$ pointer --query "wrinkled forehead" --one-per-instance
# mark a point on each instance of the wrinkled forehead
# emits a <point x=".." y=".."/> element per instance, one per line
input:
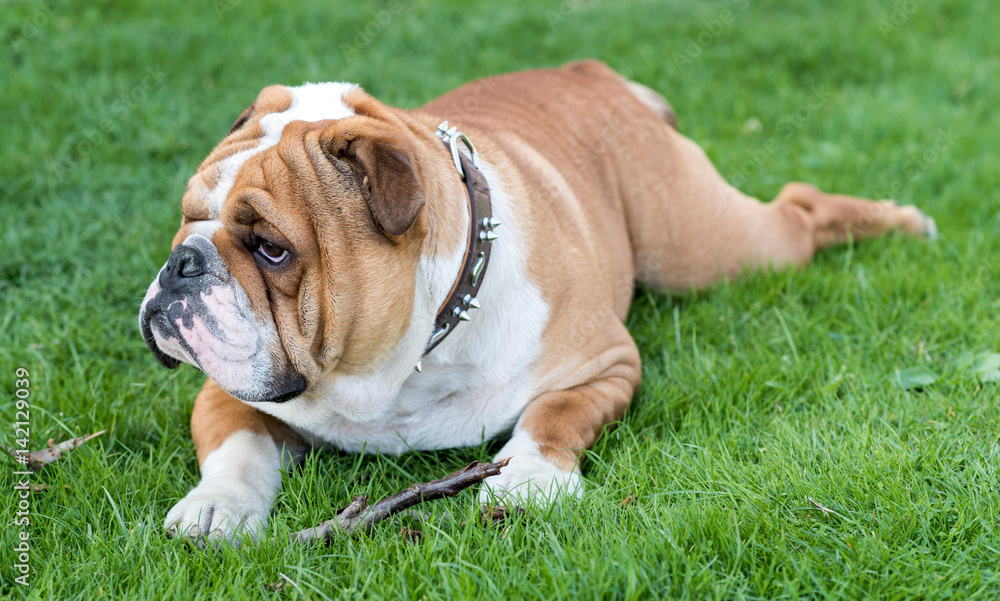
<point x="259" y="127"/>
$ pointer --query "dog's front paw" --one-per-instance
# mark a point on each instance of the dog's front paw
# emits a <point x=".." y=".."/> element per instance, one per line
<point x="529" y="480"/>
<point x="217" y="512"/>
<point x="240" y="481"/>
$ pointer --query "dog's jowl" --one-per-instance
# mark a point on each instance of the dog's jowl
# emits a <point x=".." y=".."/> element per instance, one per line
<point x="330" y="244"/>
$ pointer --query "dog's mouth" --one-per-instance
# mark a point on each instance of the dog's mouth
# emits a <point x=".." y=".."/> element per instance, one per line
<point x="145" y="326"/>
<point x="160" y="321"/>
<point x="166" y="331"/>
<point x="290" y="388"/>
<point x="151" y="310"/>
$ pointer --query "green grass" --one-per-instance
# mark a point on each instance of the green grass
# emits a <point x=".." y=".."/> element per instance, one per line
<point x="757" y="396"/>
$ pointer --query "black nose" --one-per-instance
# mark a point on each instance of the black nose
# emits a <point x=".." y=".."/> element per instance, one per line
<point x="185" y="262"/>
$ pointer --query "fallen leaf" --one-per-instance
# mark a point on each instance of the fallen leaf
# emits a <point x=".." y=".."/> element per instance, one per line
<point x="281" y="585"/>
<point x="987" y="367"/>
<point x="412" y="535"/>
<point x="38" y="459"/>
<point x="495" y="514"/>
<point x="915" y="377"/>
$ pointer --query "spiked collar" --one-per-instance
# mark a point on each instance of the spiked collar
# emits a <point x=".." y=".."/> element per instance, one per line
<point x="462" y="297"/>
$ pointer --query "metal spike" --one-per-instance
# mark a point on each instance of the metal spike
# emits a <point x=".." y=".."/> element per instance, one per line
<point x="419" y="368"/>
<point x="488" y="236"/>
<point x="470" y="301"/>
<point x="494" y="222"/>
<point x="464" y="316"/>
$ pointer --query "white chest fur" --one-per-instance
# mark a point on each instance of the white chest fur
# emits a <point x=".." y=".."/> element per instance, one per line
<point x="474" y="385"/>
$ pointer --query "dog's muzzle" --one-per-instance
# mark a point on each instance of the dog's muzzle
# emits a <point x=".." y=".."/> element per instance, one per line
<point x="195" y="312"/>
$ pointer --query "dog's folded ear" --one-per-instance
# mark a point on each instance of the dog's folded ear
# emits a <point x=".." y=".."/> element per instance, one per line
<point x="381" y="163"/>
<point x="242" y="119"/>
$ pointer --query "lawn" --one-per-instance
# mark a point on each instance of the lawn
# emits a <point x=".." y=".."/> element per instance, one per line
<point x="829" y="433"/>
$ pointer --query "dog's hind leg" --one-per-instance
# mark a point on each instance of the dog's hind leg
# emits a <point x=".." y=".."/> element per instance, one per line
<point x="834" y="217"/>
<point x="558" y="426"/>
<point x="700" y="228"/>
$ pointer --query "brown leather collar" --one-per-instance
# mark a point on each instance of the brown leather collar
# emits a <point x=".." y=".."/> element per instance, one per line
<point x="462" y="297"/>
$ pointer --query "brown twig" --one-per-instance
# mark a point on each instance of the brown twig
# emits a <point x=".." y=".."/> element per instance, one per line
<point x="360" y="517"/>
<point x="37" y="459"/>
<point x="282" y="584"/>
<point x="826" y="511"/>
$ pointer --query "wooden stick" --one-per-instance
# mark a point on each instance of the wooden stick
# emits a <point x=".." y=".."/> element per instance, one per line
<point x="360" y="517"/>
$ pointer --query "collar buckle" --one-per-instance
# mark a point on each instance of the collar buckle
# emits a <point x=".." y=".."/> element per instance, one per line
<point x="451" y="136"/>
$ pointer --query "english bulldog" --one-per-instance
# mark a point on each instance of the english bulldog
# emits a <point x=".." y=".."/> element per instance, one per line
<point x="352" y="275"/>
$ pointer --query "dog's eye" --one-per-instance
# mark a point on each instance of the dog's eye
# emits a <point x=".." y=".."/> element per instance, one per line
<point x="272" y="252"/>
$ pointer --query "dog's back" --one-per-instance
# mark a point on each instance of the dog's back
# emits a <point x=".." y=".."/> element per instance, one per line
<point x="634" y="175"/>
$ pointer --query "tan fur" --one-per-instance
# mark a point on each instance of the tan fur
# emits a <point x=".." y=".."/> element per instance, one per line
<point x="610" y="194"/>
<point x="272" y="99"/>
<point x="217" y="416"/>
<point x="656" y="210"/>
<point x="344" y="304"/>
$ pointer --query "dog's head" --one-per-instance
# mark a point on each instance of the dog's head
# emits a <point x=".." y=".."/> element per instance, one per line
<point x="298" y="248"/>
